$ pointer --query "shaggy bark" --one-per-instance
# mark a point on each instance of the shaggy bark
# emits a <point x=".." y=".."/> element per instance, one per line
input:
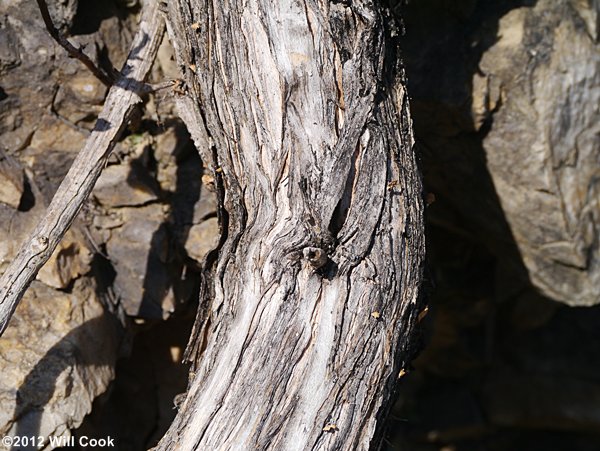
<point x="310" y="300"/>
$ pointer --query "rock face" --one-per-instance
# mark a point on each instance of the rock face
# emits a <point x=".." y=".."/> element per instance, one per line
<point x="11" y="181"/>
<point x="60" y="350"/>
<point x="506" y="110"/>
<point x="126" y="253"/>
<point x="541" y="81"/>
<point x="505" y="104"/>
<point x="57" y="356"/>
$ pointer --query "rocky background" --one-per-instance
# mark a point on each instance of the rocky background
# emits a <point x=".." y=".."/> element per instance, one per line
<point x="96" y="344"/>
<point x="505" y="99"/>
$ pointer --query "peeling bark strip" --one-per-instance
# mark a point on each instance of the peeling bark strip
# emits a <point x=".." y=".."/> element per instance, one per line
<point x="86" y="168"/>
<point x="300" y="107"/>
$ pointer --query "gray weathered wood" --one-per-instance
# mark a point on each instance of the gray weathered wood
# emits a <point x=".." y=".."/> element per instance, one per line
<point x="299" y="108"/>
<point x="86" y="168"/>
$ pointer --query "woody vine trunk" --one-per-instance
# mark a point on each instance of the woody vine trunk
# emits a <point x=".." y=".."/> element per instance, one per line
<point x="309" y="303"/>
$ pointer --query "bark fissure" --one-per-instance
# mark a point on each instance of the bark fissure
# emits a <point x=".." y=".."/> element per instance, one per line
<point x="316" y="245"/>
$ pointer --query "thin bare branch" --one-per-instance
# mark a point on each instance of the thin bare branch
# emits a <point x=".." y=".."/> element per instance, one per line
<point x="78" y="53"/>
<point x="86" y="168"/>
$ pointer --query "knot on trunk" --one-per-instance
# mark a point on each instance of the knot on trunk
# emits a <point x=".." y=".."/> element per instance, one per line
<point x="316" y="256"/>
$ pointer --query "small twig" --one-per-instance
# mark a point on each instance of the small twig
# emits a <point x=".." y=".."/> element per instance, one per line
<point x="107" y="79"/>
<point x="162" y="85"/>
<point x="83" y="174"/>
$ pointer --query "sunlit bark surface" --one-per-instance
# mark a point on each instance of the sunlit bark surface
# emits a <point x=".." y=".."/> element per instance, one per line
<point x="309" y="304"/>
